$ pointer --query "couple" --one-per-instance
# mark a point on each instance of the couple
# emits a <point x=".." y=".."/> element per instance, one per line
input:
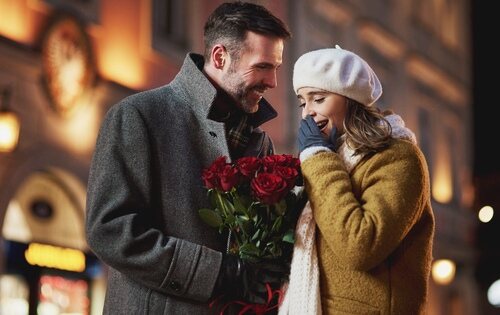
<point x="364" y="239"/>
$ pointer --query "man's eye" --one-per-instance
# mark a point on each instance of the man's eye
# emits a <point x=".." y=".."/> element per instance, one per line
<point x="263" y="67"/>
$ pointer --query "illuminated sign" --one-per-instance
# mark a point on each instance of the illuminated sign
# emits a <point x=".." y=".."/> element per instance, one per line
<point x="55" y="257"/>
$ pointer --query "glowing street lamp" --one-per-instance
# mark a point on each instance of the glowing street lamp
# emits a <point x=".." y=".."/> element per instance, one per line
<point x="9" y="124"/>
<point x="494" y="293"/>
<point x="443" y="271"/>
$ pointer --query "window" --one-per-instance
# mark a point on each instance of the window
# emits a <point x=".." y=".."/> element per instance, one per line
<point x="170" y="26"/>
<point x="441" y="18"/>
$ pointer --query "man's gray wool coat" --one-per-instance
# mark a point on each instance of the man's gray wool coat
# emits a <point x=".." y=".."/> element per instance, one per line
<point x="144" y="192"/>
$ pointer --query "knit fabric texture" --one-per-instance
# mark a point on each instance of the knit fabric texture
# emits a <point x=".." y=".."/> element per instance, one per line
<point x="302" y="295"/>
<point x="339" y="71"/>
<point x="302" y="292"/>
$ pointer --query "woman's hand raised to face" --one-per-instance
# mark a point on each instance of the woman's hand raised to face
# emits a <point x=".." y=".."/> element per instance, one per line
<point x="310" y="135"/>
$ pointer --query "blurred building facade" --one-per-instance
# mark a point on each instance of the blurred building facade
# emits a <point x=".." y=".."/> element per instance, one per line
<point x="63" y="63"/>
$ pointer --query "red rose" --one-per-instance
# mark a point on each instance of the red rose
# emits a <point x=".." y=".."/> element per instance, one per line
<point x="292" y="161"/>
<point x="271" y="161"/>
<point x="269" y="188"/>
<point x="211" y="174"/>
<point x="218" y="164"/>
<point x="229" y="177"/>
<point x="210" y="179"/>
<point x="289" y="174"/>
<point x="249" y="165"/>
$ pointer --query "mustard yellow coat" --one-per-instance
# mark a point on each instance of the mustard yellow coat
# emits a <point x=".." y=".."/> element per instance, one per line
<point x="375" y="229"/>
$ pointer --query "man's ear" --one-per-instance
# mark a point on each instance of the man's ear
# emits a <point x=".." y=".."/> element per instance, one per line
<point x="219" y="56"/>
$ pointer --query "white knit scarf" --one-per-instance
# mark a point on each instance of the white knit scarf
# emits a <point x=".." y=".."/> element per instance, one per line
<point x="302" y="292"/>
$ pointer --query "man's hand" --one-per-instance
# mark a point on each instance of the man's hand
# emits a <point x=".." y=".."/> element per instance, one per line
<point x="257" y="275"/>
<point x="247" y="281"/>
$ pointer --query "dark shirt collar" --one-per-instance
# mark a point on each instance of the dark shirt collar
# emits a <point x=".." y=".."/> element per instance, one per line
<point x="202" y="91"/>
<point x="224" y="108"/>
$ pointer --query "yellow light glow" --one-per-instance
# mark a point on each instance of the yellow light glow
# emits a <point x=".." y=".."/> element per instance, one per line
<point x="119" y="50"/>
<point x="9" y="131"/>
<point x="121" y="65"/>
<point x="442" y="182"/>
<point x="83" y="117"/>
<point x="16" y="22"/>
<point x="443" y="271"/>
<point x="55" y="257"/>
<point x="486" y="214"/>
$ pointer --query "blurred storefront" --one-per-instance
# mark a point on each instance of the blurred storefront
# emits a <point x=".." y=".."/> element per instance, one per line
<point x="47" y="269"/>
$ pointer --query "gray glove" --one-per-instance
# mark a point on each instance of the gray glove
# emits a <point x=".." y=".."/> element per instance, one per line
<point x="310" y="135"/>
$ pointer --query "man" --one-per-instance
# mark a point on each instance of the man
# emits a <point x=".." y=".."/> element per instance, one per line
<point x="145" y="186"/>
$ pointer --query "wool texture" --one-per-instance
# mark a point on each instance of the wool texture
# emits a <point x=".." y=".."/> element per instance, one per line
<point x="339" y="71"/>
<point x="302" y="292"/>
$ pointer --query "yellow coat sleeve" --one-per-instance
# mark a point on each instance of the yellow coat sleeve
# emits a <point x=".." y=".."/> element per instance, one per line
<point x="364" y="216"/>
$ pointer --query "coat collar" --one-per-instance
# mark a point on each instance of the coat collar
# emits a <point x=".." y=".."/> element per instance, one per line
<point x="202" y="94"/>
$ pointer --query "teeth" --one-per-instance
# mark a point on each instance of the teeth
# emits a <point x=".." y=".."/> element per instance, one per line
<point x="321" y="125"/>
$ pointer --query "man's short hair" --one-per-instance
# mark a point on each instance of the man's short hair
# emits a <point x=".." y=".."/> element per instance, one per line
<point x="230" y="22"/>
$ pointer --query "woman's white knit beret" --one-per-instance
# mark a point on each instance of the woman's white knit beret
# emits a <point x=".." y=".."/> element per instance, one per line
<point x="339" y="71"/>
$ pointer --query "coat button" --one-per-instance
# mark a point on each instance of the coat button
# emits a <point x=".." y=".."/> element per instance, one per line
<point x="175" y="286"/>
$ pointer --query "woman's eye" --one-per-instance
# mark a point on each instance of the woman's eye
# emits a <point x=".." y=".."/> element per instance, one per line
<point x="319" y="100"/>
<point x="302" y="105"/>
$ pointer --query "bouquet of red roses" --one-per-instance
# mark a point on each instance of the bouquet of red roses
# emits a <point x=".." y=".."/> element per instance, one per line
<point x="255" y="199"/>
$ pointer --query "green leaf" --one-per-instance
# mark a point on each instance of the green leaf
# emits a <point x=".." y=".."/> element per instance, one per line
<point x="229" y="219"/>
<point x="239" y="207"/>
<point x="228" y="204"/>
<point x="224" y="204"/>
<point x="242" y="218"/>
<point x="220" y="202"/>
<point x="244" y="224"/>
<point x="246" y="201"/>
<point x="289" y="237"/>
<point x="256" y="235"/>
<point x="249" y="249"/>
<point x="212" y="195"/>
<point x="280" y="207"/>
<point x="250" y="258"/>
<point x="277" y="224"/>
<point x="225" y="207"/>
<point x="210" y="217"/>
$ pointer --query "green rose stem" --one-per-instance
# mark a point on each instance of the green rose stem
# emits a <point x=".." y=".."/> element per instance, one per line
<point x="229" y="219"/>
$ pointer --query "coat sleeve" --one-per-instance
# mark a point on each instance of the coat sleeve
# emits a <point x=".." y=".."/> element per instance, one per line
<point x="120" y="219"/>
<point x="364" y="224"/>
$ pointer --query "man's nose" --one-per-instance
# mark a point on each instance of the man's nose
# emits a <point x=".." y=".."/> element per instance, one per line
<point x="271" y="80"/>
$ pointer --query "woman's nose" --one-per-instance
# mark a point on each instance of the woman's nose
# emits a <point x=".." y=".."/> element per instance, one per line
<point x="307" y="111"/>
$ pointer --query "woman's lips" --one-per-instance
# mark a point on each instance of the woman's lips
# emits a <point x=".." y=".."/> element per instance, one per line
<point x="322" y="124"/>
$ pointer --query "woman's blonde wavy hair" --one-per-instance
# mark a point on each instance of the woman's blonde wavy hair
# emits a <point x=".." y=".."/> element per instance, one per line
<point x="365" y="128"/>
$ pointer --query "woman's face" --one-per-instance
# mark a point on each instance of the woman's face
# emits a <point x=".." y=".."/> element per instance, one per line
<point x="328" y="109"/>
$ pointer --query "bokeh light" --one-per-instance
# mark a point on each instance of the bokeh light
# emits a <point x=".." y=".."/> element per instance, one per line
<point x="486" y="214"/>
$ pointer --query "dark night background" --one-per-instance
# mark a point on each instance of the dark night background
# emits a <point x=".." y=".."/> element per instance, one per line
<point x="485" y="84"/>
<point x="486" y="95"/>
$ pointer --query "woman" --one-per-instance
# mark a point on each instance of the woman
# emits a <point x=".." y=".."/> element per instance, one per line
<point x="369" y="198"/>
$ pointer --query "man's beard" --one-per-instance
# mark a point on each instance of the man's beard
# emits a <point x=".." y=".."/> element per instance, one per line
<point x="236" y="88"/>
